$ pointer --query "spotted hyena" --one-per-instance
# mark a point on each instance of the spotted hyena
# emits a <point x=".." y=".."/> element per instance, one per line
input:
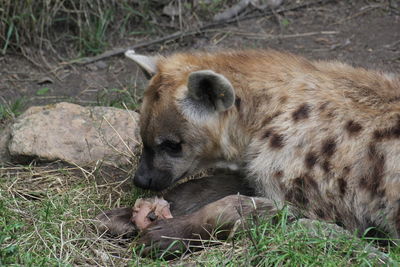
<point x="322" y="136"/>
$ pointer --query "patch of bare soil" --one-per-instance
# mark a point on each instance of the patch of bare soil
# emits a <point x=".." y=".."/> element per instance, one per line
<point x="362" y="33"/>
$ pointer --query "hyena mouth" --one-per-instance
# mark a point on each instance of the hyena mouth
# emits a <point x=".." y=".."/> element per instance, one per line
<point x="184" y="179"/>
<point x="180" y="180"/>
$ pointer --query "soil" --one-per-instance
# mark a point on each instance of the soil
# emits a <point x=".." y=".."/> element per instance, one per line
<point x="362" y="33"/>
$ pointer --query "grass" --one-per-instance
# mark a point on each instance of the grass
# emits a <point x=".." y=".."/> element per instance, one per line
<point x="47" y="216"/>
<point x="47" y="220"/>
<point x="283" y="244"/>
<point x="11" y="110"/>
<point x="119" y="98"/>
<point x="87" y="25"/>
<point x="128" y="97"/>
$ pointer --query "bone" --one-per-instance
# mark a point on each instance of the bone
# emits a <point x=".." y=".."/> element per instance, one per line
<point x="147" y="210"/>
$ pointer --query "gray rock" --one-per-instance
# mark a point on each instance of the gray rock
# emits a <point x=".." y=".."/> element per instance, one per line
<point x="76" y="134"/>
<point x="4" y="140"/>
<point x="101" y="64"/>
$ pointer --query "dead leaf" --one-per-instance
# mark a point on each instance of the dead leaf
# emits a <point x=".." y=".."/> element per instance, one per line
<point x="171" y="10"/>
<point x="45" y="80"/>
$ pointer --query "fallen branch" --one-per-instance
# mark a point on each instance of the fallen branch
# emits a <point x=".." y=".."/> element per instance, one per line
<point x="120" y="51"/>
<point x="180" y="34"/>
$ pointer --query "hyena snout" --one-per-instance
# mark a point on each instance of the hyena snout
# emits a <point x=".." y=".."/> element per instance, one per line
<point x="141" y="180"/>
<point x="149" y="177"/>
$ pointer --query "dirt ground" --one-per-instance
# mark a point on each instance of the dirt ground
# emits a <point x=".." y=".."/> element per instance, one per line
<point x="362" y="33"/>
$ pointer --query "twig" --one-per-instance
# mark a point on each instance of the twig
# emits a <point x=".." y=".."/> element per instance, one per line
<point x="122" y="140"/>
<point x="392" y="44"/>
<point x="180" y="34"/>
<point x="283" y="36"/>
<point x="364" y="10"/>
<point x="120" y="51"/>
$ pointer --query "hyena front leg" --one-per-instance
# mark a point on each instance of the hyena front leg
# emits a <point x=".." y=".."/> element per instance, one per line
<point x="116" y="223"/>
<point x="215" y="220"/>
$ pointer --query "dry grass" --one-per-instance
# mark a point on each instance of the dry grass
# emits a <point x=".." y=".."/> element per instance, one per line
<point x="85" y="25"/>
<point x="49" y="213"/>
<point x="48" y="216"/>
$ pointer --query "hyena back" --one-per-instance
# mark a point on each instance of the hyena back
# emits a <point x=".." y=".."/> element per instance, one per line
<point x="323" y="136"/>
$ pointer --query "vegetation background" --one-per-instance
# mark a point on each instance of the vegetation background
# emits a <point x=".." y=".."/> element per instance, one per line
<point x="70" y="50"/>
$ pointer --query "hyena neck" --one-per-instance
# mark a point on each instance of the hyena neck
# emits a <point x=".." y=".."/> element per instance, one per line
<point x="233" y="139"/>
<point x="241" y="125"/>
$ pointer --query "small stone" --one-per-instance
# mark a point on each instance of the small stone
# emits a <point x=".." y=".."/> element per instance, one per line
<point x="101" y="64"/>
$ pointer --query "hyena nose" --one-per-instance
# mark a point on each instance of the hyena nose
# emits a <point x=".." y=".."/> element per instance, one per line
<point x="141" y="181"/>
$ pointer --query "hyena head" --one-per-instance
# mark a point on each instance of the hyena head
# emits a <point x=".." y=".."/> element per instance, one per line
<point x="180" y="119"/>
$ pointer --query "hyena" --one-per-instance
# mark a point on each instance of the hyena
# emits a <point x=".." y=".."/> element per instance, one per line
<point x="322" y="136"/>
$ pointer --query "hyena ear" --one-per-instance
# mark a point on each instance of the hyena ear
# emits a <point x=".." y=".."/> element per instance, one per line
<point x="146" y="63"/>
<point x="208" y="93"/>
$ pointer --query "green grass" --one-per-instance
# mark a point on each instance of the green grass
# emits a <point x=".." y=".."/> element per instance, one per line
<point x="47" y="217"/>
<point x="295" y="246"/>
<point x="119" y="98"/>
<point x="86" y="24"/>
<point x="47" y="214"/>
<point x="9" y="230"/>
<point x="89" y="27"/>
<point x="11" y="110"/>
<point x="289" y="244"/>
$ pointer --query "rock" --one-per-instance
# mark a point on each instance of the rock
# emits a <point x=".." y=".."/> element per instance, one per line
<point x="101" y="64"/>
<point x="4" y="140"/>
<point x="75" y="134"/>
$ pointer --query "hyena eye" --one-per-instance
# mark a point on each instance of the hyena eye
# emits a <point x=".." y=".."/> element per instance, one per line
<point x="171" y="147"/>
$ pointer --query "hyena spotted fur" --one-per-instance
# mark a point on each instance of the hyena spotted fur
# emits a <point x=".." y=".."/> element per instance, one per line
<point x="321" y="135"/>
